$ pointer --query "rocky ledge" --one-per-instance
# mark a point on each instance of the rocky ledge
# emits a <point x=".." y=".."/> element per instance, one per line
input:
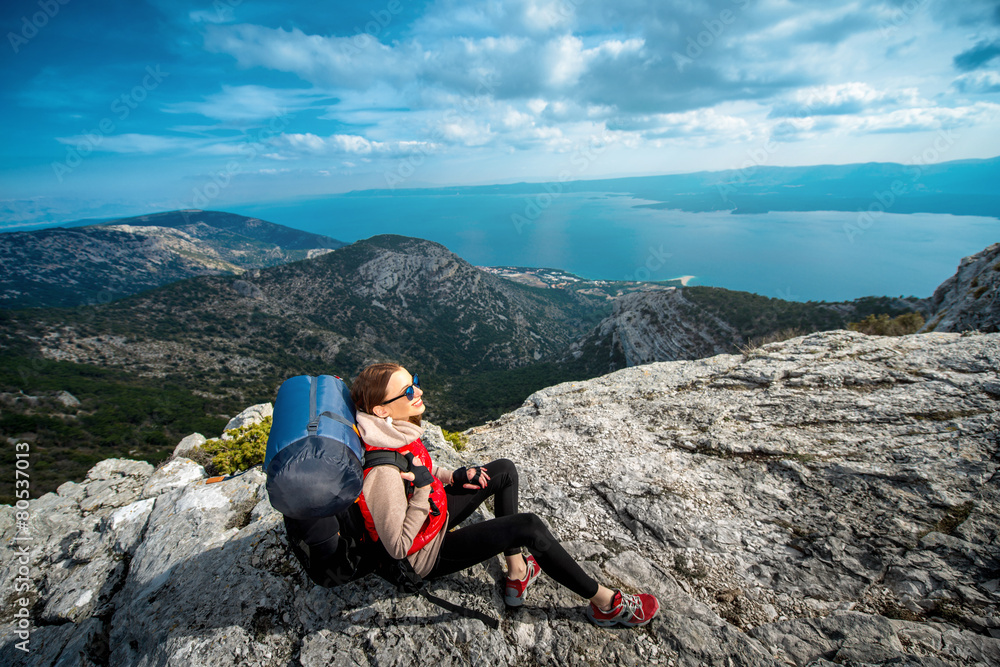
<point x="831" y="499"/>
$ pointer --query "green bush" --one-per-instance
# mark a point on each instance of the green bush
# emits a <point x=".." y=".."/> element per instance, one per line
<point x="456" y="439"/>
<point x="245" y="450"/>
<point x="883" y="325"/>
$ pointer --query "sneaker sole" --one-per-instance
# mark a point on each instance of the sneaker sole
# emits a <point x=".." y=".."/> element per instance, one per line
<point x="518" y="600"/>
<point x="513" y="601"/>
<point x="613" y="623"/>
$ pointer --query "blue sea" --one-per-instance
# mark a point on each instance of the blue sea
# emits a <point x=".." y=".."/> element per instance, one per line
<point x="810" y="256"/>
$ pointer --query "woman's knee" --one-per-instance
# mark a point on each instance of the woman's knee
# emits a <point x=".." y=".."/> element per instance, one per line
<point x="535" y="532"/>
<point x="502" y="467"/>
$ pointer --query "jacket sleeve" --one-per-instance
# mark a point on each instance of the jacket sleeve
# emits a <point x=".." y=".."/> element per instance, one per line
<point x="397" y="521"/>
<point x="445" y="476"/>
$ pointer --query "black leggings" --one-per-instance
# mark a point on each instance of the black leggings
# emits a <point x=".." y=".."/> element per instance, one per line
<point x="464" y="547"/>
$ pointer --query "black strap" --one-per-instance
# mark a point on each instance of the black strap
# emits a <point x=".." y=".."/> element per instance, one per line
<point x="401" y="573"/>
<point x="389" y="457"/>
<point x="315" y="414"/>
<point x="385" y="457"/>
<point x="305" y="550"/>
<point x="337" y="418"/>
<point x="313" y="425"/>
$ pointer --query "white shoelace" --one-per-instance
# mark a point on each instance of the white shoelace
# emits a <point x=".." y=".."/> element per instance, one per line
<point x="629" y="603"/>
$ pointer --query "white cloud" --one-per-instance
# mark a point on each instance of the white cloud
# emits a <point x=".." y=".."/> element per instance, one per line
<point x="696" y="125"/>
<point x="537" y="105"/>
<point x="927" y="118"/>
<point x="357" y="61"/>
<point x="465" y="131"/>
<point x="344" y="144"/>
<point x="565" y="61"/>
<point x="248" y="103"/>
<point x="511" y="17"/>
<point x="983" y="82"/>
<point x="912" y="119"/>
<point x="837" y="99"/>
<point x="514" y="119"/>
<point x="126" y="143"/>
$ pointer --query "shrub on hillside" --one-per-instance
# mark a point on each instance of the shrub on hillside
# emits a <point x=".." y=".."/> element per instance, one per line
<point x="245" y="449"/>
<point x="883" y="325"/>
<point x="455" y="439"/>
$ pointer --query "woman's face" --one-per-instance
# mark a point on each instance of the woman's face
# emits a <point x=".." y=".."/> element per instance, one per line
<point x="401" y="409"/>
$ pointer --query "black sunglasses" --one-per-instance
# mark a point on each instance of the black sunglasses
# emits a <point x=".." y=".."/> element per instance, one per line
<point x="409" y="393"/>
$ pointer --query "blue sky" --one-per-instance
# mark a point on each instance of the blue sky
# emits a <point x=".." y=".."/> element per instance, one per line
<point x="121" y="108"/>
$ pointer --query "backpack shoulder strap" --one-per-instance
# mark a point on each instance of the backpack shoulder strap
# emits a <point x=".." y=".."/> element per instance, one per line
<point x="385" y="457"/>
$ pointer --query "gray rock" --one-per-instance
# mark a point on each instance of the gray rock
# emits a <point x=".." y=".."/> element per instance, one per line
<point x="864" y="637"/>
<point x="176" y="472"/>
<point x="970" y="299"/>
<point x="834" y="471"/>
<point x="113" y="483"/>
<point x="786" y="507"/>
<point x="68" y="399"/>
<point x="66" y="645"/>
<point x="248" y="290"/>
<point x="661" y="325"/>
<point x="189" y="443"/>
<point x="255" y="414"/>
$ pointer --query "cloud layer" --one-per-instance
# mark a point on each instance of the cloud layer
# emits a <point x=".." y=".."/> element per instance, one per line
<point x="489" y="90"/>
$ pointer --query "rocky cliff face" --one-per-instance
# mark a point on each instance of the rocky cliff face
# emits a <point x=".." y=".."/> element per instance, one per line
<point x="830" y="499"/>
<point x="970" y="299"/>
<point x="674" y="324"/>
<point x="98" y="263"/>
<point x="659" y="325"/>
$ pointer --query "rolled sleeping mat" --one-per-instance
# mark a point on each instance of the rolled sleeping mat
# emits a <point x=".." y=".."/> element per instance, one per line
<point x="313" y="457"/>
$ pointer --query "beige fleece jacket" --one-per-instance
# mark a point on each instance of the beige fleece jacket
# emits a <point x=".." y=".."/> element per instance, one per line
<point x="398" y="520"/>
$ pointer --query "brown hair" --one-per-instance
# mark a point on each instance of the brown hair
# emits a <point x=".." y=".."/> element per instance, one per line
<point x="368" y="389"/>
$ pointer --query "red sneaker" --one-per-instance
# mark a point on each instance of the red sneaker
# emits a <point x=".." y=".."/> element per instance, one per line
<point x="514" y="593"/>
<point x="627" y="610"/>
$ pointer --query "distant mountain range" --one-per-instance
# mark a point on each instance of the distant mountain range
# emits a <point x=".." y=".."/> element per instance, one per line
<point x="962" y="187"/>
<point x="99" y="263"/>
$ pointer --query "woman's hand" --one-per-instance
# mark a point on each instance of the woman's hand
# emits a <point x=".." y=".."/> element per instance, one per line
<point x="471" y="478"/>
<point x="420" y="475"/>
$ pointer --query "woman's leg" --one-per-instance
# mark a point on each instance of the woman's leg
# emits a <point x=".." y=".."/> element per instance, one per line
<point x="467" y="546"/>
<point x="463" y="502"/>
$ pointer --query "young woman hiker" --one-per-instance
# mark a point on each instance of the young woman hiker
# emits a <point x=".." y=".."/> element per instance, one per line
<point x="417" y="525"/>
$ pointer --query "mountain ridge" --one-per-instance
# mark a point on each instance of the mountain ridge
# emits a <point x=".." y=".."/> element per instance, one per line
<point x="65" y="267"/>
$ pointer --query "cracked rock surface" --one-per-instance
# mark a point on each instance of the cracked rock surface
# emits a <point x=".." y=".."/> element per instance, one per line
<point x="830" y="499"/>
